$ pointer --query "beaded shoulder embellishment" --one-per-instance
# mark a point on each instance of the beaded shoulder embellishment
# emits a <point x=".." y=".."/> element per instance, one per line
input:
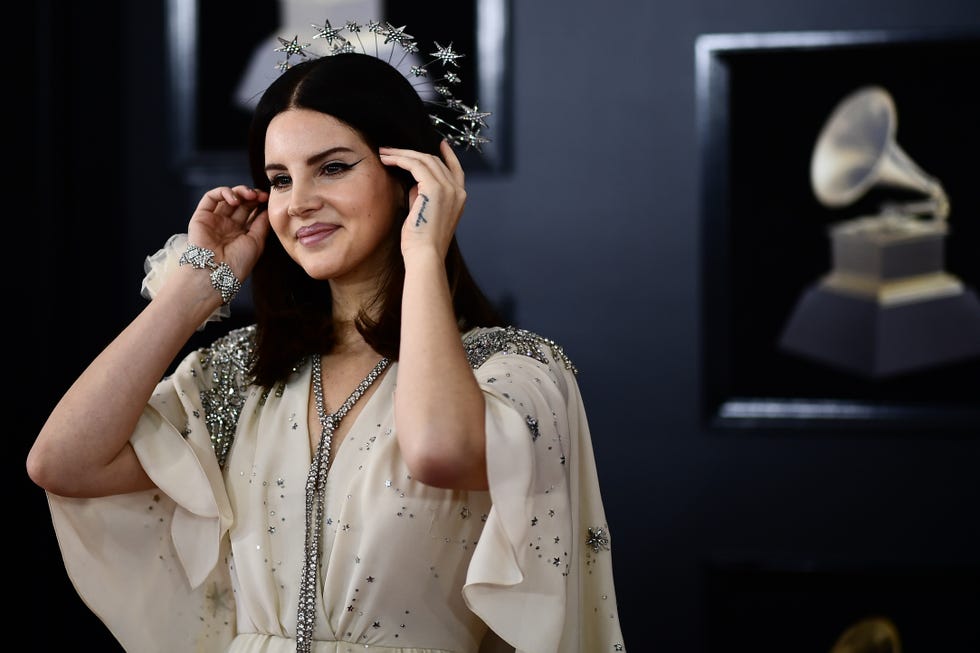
<point x="511" y="340"/>
<point x="227" y="361"/>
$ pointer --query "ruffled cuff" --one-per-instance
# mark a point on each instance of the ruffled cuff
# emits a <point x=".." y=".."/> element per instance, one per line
<point x="202" y="515"/>
<point x="161" y="264"/>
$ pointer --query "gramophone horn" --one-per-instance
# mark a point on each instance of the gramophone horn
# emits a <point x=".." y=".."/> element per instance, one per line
<point x="856" y="150"/>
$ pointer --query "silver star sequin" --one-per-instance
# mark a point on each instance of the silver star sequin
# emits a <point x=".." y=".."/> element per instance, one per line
<point x="532" y="425"/>
<point x="328" y="33"/>
<point x="218" y="599"/>
<point x="396" y="34"/>
<point x="293" y="47"/>
<point x="474" y="116"/>
<point x="597" y="539"/>
<point x="446" y="55"/>
<point x="471" y="139"/>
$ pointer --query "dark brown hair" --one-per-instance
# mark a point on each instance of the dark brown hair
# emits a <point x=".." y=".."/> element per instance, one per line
<point x="293" y="311"/>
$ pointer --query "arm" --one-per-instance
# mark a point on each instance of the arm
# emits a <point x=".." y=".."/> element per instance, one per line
<point x="439" y="407"/>
<point x="83" y="448"/>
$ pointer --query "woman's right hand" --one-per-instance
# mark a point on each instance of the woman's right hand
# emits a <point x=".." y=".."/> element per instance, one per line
<point x="233" y="223"/>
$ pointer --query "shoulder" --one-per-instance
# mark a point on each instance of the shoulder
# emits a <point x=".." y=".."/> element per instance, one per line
<point x="224" y="382"/>
<point x="482" y="343"/>
<point x="232" y="351"/>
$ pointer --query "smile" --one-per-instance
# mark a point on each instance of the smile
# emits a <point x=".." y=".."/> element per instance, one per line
<point x="315" y="233"/>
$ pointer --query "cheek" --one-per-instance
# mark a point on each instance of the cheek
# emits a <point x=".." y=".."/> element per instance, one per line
<point x="278" y="217"/>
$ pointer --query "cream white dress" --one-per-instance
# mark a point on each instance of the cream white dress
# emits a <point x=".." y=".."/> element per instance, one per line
<point x="211" y="560"/>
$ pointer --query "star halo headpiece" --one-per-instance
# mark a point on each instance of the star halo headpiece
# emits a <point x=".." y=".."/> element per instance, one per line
<point x="462" y="125"/>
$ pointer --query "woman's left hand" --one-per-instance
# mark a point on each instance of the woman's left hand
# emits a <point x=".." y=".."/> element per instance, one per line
<point x="435" y="202"/>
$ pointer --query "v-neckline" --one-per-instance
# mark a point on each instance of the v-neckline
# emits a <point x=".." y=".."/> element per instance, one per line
<point x="368" y="403"/>
<point x="316" y="487"/>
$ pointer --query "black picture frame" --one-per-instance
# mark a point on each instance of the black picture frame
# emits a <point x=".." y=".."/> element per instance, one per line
<point x="210" y="44"/>
<point x="762" y="99"/>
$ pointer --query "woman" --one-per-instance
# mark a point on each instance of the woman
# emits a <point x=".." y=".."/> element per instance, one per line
<point x="377" y="464"/>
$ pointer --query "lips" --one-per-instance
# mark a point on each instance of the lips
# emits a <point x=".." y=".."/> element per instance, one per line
<point x="315" y="233"/>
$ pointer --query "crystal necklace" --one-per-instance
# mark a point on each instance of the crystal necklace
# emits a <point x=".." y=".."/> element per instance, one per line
<point x="316" y="483"/>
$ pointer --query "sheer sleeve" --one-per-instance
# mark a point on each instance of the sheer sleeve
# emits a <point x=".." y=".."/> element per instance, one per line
<point x="152" y="565"/>
<point x="541" y="574"/>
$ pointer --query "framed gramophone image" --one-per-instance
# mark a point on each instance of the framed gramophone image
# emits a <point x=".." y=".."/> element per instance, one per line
<point x="840" y="230"/>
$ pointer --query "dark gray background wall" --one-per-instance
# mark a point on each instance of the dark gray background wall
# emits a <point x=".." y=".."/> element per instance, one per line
<point x="594" y="233"/>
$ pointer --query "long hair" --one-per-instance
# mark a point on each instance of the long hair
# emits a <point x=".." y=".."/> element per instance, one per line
<point x="293" y="311"/>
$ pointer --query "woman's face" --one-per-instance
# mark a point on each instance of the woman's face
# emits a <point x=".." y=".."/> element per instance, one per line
<point x="332" y="203"/>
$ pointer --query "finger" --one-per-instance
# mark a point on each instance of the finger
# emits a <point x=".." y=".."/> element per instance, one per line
<point x="248" y="193"/>
<point x="405" y="152"/>
<point x="258" y="224"/>
<point x="413" y="161"/>
<point x="258" y="212"/>
<point x="230" y="197"/>
<point x="210" y="200"/>
<point x="452" y="161"/>
<point x="416" y="163"/>
<point x="214" y="198"/>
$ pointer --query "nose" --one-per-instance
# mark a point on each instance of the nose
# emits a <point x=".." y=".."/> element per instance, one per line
<point x="303" y="200"/>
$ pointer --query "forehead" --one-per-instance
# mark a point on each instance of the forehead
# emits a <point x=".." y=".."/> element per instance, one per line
<point x="298" y="132"/>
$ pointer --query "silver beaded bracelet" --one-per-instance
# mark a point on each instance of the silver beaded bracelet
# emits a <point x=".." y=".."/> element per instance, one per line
<point x="222" y="278"/>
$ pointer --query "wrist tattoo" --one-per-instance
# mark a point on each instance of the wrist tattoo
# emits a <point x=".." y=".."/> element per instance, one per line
<point x="421" y="218"/>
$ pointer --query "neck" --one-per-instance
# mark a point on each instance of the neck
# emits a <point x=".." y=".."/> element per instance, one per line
<point x="347" y="339"/>
<point x="349" y="299"/>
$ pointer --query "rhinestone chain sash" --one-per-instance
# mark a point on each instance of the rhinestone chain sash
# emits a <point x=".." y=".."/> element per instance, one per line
<point x="316" y="483"/>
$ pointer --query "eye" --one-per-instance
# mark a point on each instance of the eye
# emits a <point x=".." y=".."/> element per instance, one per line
<point x="278" y="182"/>
<point x="331" y="168"/>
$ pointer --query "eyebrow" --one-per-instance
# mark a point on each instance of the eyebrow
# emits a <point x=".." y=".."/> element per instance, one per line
<point x="316" y="158"/>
